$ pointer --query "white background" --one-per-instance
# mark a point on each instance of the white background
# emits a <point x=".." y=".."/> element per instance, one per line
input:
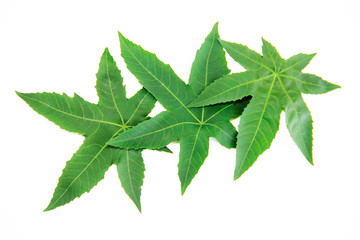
<point x="49" y="46"/>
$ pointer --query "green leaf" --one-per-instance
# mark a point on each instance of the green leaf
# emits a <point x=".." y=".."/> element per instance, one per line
<point x="170" y="90"/>
<point x="99" y="123"/>
<point x="209" y="63"/>
<point x="72" y="114"/>
<point x="194" y="148"/>
<point x="131" y="173"/>
<point x="275" y="84"/>
<point x="249" y="59"/>
<point x="300" y="61"/>
<point x="310" y="84"/>
<point x="85" y="169"/>
<point x="259" y="124"/>
<point x="191" y="126"/>
<point x="229" y="88"/>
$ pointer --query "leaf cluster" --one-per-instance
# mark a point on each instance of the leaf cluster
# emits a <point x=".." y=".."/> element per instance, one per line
<point x="117" y="129"/>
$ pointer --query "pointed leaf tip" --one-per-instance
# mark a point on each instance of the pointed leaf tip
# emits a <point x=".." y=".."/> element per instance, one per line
<point x="334" y="86"/>
<point x="121" y="37"/>
<point x="20" y="94"/>
<point x="51" y="206"/>
<point x="263" y="40"/>
<point x="312" y="55"/>
<point x="48" y="208"/>
<point x="238" y="174"/>
<point x="165" y="149"/>
<point x="216" y="26"/>
<point x="310" y="160"/>
<point x="183" y="189"/>
<point x="268" y="44"/>
<point x="138" y="207"/>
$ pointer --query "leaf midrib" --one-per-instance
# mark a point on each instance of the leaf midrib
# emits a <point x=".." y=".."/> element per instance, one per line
<point x="72" y="115"/>
<point x="192" y="152"/>
<point x="259" y="63"/>
<point x="216" y="126"/>
<point x="237" y="86"/>
<point x="295" y="64"/>
<point x="288" y="96"/>
<point x="111" y="90"/>
<point x="92" y="160"/>
<point x="143" y="135"/>
<point x="131" y="184"/>
<point x="297" y="116"/>
<point x="257" y="127"/>
<point x="273" y="60"/>
<point x="158" y="80"/>
<point x="137" y="108"/>
<point x="297" y="79"/>
<point x="218" y="112"/>
<point x="208" y="59"/>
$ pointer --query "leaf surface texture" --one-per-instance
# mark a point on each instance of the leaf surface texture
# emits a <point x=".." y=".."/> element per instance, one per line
<point x="192" y="127"/>
<point x="275" y="84"/>
<point x="99" y="123"/>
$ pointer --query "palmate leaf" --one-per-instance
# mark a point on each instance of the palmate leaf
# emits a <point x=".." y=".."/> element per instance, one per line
<point x="99" y="123"/>
<point x="275" y="85"/>
<point x="191" y="126"/>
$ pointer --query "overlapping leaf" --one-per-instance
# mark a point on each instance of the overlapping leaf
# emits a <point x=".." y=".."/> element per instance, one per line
<point x="194" y="112"/>
<point x="275" y="85"/>
<point x="191" y="126"/>
<point x="99" y="123"/>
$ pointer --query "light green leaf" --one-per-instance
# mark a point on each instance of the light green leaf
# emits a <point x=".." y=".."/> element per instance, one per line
<point x="271" y="57"/>
<point x="275" y="84"/>
<point x="299" y="61"/>
<point x="299" y="122"/>
<point x="309" y="83"/>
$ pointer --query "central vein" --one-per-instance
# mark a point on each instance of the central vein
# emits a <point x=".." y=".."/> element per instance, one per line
<point x="162" y="84"/>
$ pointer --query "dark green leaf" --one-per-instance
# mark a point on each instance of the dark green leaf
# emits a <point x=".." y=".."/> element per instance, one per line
<point x="191" y="126"/>
<point x="131" y="173"/>
<point x="99" y="123"/>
